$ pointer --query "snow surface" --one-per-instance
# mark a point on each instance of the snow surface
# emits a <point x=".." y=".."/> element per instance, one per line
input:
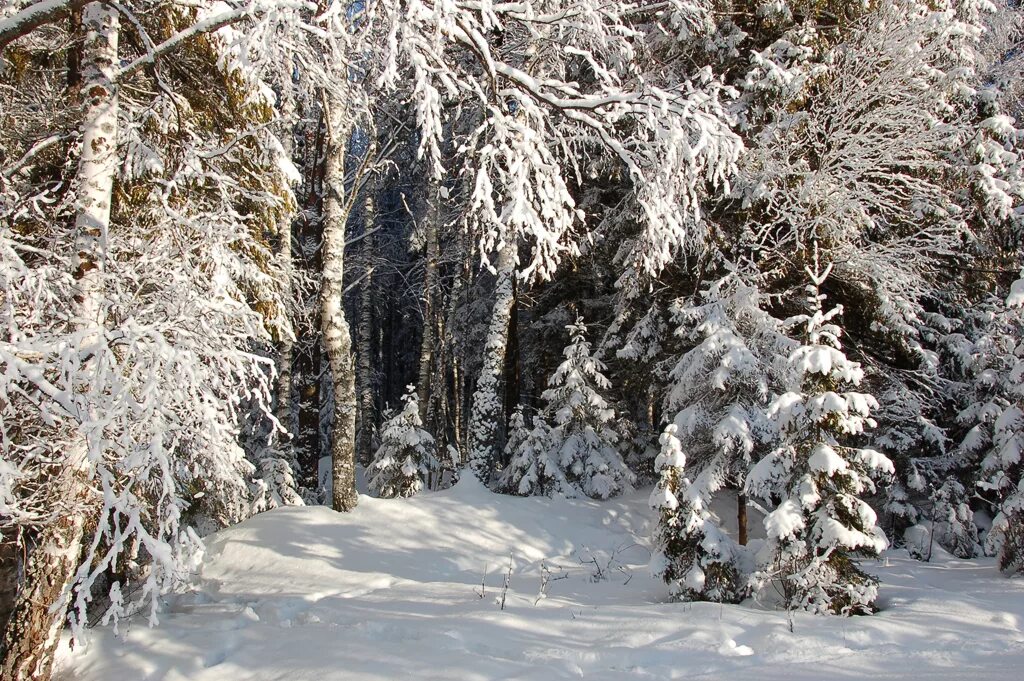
<point x="392" y="591"/>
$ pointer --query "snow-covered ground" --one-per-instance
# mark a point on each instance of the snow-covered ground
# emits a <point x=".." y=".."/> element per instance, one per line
<point x="393" y="591"/>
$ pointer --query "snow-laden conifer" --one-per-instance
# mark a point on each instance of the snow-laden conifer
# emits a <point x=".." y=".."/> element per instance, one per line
<point x="533" y="468"/>
<point x="995" y="412"/>
<point x="583" y="439"/>
<point x="406" y="456"/>
<point x="719" y="389"/>
<point x="694" y="556"/>
<point x="518" y="432"/>
<point x="822" y="519"/>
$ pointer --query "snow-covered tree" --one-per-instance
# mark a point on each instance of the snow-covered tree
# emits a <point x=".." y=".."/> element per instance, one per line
<point x="694" y="556"/>
<point x="518" y="432"/>
<point x="487" y="409"/>
<point x="406" y="457"/>
<point x="822" y="519"/>
<point x="557" y="100"/>
<point x="140" y="287"/>
<point x="866" y="144"/>
<point x="719" y="389"/>
<point x="995" y="412"/>
<point x="640" y="450"/>
<point x="582" y="437"/>
<point x="533" y="469"/>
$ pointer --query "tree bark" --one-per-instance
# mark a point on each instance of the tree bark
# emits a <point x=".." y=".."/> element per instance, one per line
<point x="306" y="352"/>
<point x="337" y="337"/>
<point x="486" y="413"/>
<point x="364" y="337"/>
<point x="10" y="559"/>
<point x="286" y="344"/>
<point x="512" y="365"/>
<point x="32" y="633"/>
<point x="741" y="518"/>
<point x="423" y="388"/>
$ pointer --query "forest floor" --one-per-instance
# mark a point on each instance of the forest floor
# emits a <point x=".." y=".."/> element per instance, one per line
<point x="393" y="591"/>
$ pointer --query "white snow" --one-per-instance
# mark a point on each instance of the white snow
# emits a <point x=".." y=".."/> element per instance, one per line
<point x="393" y="591"/>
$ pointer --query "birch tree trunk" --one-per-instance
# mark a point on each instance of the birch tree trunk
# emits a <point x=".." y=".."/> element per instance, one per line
<point x="337" y="337"/>
<point x="33" y="630"/>
<point x="487" y="413"/>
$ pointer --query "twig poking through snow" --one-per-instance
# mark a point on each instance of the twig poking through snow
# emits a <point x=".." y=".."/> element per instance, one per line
<point x="483" y="584"/>
<point x="508" y="579"/>
<point x="546" y="579"/>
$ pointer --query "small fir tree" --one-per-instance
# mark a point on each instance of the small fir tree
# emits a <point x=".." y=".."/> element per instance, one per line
<point x="582" y="438"/>
<point x="518" y="432"/>
<point x="720" y="387"/>
<point x="406" y="454"/>
<point x="821" y="520"/>
<point x="533" y="469"/>
<point x="997" y="408"/>
<point x="639" y="442"/>
<point x="697" y="559"/>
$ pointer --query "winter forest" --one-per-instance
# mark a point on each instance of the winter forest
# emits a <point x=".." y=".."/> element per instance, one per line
<point x="539" y="339"/>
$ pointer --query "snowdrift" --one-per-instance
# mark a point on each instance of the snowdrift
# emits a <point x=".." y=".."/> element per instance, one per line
<point x="412" y="589"/>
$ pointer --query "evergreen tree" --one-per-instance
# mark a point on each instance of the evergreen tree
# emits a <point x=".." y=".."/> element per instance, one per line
<point x="640" y="445"/>
<point x="822" y="519"/>
<point x="518" y="432"/>
<point x="698" y="560"/>
<point x="582" y="438"/>
<point x="996" y="409"/>
<point x="406" y="455"/>
<point x="533" y="469"/>
<point x="719" y="389"/>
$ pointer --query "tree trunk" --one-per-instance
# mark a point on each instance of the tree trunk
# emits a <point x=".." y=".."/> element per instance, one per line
<point x="337" y="337"/>
<point x="33" y="630"/>
<point x="306" y="352"/>
<point x="10" y="569"/>
<point x="741" y="518"/>
<point x="286" y="347"/>
<point x="364" y="338"/>
<point x="453" y="350"/>
<point x="486" y="418"/>
<point x="423" y="388"/>
<point x="512" y="365"/>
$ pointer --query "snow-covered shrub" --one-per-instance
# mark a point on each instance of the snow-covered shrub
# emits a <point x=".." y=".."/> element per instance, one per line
<point x="697" y="559"/>
<point x="821" y="520"/>
<point x="1011" y="554"/>
<point x="406" y="455"/>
